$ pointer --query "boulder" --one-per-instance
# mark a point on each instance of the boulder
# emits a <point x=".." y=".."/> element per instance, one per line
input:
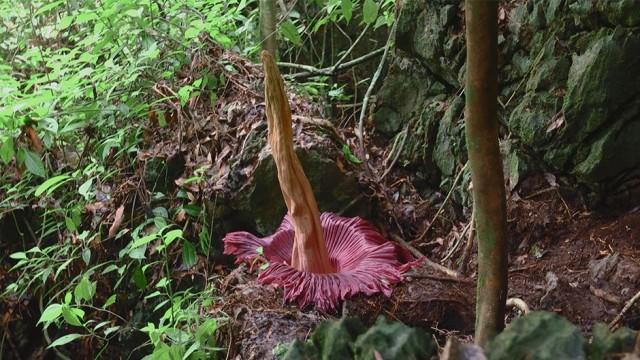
<point x="569" y="77"/>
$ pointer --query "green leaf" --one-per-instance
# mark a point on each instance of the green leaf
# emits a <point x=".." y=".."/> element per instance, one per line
<point x="48" y="7"/>
<point x="191" y="33"/>
<point x="50" y="183"/>
<point x="65" y="22"/>
<point x="110" y="330"/>
<point x="134" y="13"/>
<point x="162" y="283"/>
<point x="33" y="163"/>
<point x="189" y="257"/>
<point x="144" y="240"/>
<point x="18" y="256"/>
<point x="169" y="237"/>
<point x="369" y="12"/>
<point x="110" y="301"/>
<point x="6" y="150"/>
<point x="85" y="188"/>
<point x="347" y="9"/>
<point x="84" y="290"/>
<point x="64" y="340"/>
<point x="86" y="256"/>
<point x="289" y="31"/>
<point x="185" y="93"/>
<point x="51" y="313"/>
<point x="139" y="278"/>
<point x="206" y="332"/>
<point x="346" y="151"/>
<point x="538" y="335"/>
<point x="70" y="317"/>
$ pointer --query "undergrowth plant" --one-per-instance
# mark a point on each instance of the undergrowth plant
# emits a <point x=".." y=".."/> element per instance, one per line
<point x="77" y="88"/>
<point x="76" y="81"/>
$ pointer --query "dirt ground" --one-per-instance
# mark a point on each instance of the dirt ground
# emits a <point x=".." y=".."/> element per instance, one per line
<point x="584" y="265"/>
<point x="565" y="257"/>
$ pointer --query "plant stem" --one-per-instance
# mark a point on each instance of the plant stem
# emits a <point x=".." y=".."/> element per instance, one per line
<point x="309" y="250"/>
<point x="486" y="166"/>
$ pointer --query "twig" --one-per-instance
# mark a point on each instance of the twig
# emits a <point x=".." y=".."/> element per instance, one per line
<point x="365" y="99"/>
<point x="426" y="261"/>
<point x="329" y="71"/>
<point x="344" y="57"/>
<point x="440" y="278"/>
<point x="540" y="192"/>
<point x="466" y="253"/>
<point x="613" y="324"/>
<point x="397" y="154"/>
<point x="441" y="209"/>
<point x="457" y="242"/>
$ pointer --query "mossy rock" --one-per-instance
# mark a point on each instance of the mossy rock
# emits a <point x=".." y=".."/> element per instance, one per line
<point x="261" y="199"/>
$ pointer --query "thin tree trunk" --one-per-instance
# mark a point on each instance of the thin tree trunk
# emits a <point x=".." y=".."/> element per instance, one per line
<point x="486" y="166"/>
<point x="268" y="26"/>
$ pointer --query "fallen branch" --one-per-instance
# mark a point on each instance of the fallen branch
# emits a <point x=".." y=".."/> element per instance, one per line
<point x="613" y="324"/>
<point x="426" y="262"/>
<point x="328" y="71"/>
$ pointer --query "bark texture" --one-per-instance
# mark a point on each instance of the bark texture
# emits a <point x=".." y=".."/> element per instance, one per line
<point x="486" y="166"/>
<point x="268" y="26"/>
<point x="309" y="250"/>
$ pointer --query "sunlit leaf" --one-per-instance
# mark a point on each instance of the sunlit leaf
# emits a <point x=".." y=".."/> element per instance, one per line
<point x="84" y="290"/>
<point x="110" y="301"/>
<point x="70" y="317"/>
<point x="369" y="11"/>
<point x="51" y="313"/>
<point x="6" y="150"/>
<point x="64" y="340"/>
<point x="347" y="9"/>
<point x="169" y="237"/>
<point x="33" y="163"/>
<point x="50" y="183"/>
<point x="289" y="31"/>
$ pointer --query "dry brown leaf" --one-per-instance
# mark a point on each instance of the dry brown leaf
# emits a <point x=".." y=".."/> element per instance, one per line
<point x="117" y="221"/>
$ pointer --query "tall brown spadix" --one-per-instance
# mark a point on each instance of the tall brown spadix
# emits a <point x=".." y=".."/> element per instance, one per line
<point x="309" y="251"/>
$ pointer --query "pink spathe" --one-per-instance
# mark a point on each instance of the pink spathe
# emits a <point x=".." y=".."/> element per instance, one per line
<point x="364" y="261"/>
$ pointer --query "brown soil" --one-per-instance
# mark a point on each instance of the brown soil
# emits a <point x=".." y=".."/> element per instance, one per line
<point x="583" y="265"/>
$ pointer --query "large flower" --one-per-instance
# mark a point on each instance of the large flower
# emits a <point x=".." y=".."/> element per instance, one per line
<point x="364" y="261"/>
<point x="317" y="259"/>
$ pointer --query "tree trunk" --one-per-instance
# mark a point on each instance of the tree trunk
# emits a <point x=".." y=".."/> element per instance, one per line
<point x="268" y="26"/>
<point x="486" y="166"/>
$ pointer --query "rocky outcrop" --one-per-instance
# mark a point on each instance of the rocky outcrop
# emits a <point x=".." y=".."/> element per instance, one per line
<point x="569" y="88"/>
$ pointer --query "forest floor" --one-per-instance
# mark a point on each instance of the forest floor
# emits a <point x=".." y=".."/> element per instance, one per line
<point x="564" y="257"/>
<point x="581" y="264"/>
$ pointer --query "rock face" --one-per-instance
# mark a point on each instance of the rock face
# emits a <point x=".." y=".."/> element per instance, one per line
<point x="569" y="87"/>
<point x="335" y="191"/>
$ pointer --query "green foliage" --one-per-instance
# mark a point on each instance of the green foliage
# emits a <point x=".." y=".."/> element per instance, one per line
<point x="79" y="77"/>
<point x="539" y="335"/>
<point x="606" y="342"/>
<point x="544" y="335"/>
<point x="77" y="88"/>
<point x="348" y="338"/>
